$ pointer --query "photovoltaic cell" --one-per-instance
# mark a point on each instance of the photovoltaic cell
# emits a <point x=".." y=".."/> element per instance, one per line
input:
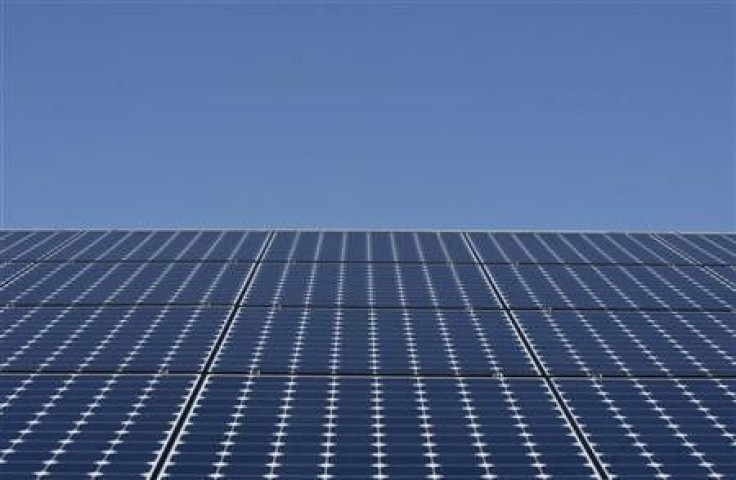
<point x="127" y="283"/>
<point x="372" y="341"/>
<point x="723" y="243"/>
<point x="71" y="426"/>
<point x="356" y="428"/>
<point x="662" y="249"/>
<point x="371" y="285"/>
<point x="369" y="247"/>
<point x="9" y="270"/>
<point x="573" y="248"/>
<point x="705" y="249"/>
<point x="633" y="343"/>
<point x="30" y="246"/>
<point x="613" y="287"/>
<point x="163" y="246"/>
<point x="107" y="339"/>
<point x="658" y="428"/>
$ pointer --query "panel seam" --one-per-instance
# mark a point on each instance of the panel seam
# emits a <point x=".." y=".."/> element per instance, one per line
<point x="590" y="453"/>
<point x="366" y="307"/>
<point x="32" y="263"/>
<point x="83" y="261"/>
<point x="196" y="391"/>
<point x="708" y="267"/>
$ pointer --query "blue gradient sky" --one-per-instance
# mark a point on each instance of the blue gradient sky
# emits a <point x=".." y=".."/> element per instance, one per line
<point x="533" y="116"/>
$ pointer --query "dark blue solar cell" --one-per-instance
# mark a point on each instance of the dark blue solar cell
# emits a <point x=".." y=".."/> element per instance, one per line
<point x="88" y="243"/>
<point x="85" y="426"/>
<point x="721" y="243"/>
<point x="673" y="428"/>
<point x="293" y="246"/>
<point x="618" y="248"/>
<point x="612" y="287"/>
<point x="371" y="285"/>
<point x="10" y="270"/>
<point x="597" y="248"/>
<point x="369" y="427"/>
<point x="238" y="246"/>
<point x="180" y="246"/>
<point x="394" y="247"/>
<point x="30" y="246"/>
<point x="378" y="341"/>
<point x="107" y="339"/>
<point x="701" y="248"/>
<point x="421" y="247"/>
<point x="214" y="246"/>
<point x="455" y="247"/>
<point x="724" y="273"/>
<point x="112" y="246"/>
<point x="127" y="283"/>
<point x="369" y="247"/>
<point x="136" y="245"/>
<point x="498" y="248"/>
<point x="693" y="287"/>
<point x="632" y="343"/>
<point x="654" y="244"/>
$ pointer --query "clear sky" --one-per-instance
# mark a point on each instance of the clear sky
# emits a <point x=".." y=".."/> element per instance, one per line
<point x="539" y="115"/>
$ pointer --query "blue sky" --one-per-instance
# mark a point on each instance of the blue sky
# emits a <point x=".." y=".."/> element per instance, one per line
<point x="542" y="115"/>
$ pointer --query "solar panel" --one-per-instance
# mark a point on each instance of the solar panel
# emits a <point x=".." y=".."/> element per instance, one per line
<point x="369" y="247"/>
<point x="126" y="283"/>
<point x="361" y="341"/>
<point x="613" y="287"/>
<point x="162" y="246"/>
<point x="633" y="343"/>
<point x="31" y="246"/>
<point x="658" y="428"/>
<point x="108" y="339"/>
<point x="260" y="427"/>
<point x="72" y="426"/>
<point x="9" y="270"/>
<point x="365" y="285"/>
<point x="353" y="354"/>
<point x="705" y="249"/>
<point x="574" y="248"/>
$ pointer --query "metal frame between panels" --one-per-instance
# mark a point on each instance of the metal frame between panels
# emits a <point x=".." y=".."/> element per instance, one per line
<point x="707" y="267"/>
<point x="31" y="264"/>
<point x="551" y="379"/>
<point x="559" y="400"/>
<point x="191" y="401"/>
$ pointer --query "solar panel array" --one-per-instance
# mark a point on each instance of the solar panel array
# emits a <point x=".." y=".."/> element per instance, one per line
<point x="311" y="354"/>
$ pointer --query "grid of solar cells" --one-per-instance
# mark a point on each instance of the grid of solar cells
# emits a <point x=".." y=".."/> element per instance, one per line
<point x="8" y="271"/>
<point x="364" y="285"/>
<point x="633" y="343"/>
<point x="663" y="428"/>
<point x="149" y="283"/>
<point x="705" y="249"/>
<point x="82" y="426"/>
<point x="574" y="248"/>
<point x="403" y="247"/>
<point x="613" y="287"/>
<point x="357" y="428"/>
<point x="328" y="354"/>
<point x="375" y="341"/>
<point x="163" y="246"/>
<point x="107" y="339"/>
<point x="30" y="246"/>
